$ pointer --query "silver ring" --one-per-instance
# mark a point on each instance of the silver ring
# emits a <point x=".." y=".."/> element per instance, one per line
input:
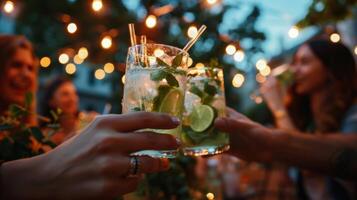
<point x="134" y="167"/>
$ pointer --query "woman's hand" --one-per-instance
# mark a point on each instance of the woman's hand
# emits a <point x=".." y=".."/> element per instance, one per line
<point x="248" y="140"/>
<point x="273" y="94"/>
<point x="94" y="164"/>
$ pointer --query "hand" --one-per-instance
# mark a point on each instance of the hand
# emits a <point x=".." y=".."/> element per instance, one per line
<point x="273" y="94"/>
<point x="248" y="140"/>
<point x="93" y="164"/>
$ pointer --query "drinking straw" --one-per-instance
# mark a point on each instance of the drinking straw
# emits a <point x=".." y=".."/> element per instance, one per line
<point x="144" y="57"/>
<point x="193" y="40"/>
<point x="133" y="41"/>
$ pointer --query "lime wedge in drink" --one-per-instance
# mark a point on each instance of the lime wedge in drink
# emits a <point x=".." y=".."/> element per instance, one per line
<point x="172" y="103"/>
<point x="201" y="118"/>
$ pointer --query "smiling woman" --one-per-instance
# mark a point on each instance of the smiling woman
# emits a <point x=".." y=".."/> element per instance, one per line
<point x="18" y="72"/>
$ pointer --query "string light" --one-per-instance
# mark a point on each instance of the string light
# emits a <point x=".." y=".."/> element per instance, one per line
<point x="261" y="64"/>
<point x="158" y="53"/>
<point x="238" y="55"/>
<point x="45" y="62"/>
<point x="108" y="68"/>
<point x="230" y="49"/>
<point x="258" y="100"/>
<point x="211" y="2"/>
<point x="335" y="37"/>
<point x="265" y="71"/>
<point x="9" y="6"/>
<point x="356" y="50"/>
<point x="71" y="28"/>
<point x="83" y="53"/>
<point x="63" y="58"/>
<point x="99" y="74"/>
<point x="70" y="68"/>
<point x="210" y="196"/>
<point x="293" y="32"/>
<point x="260" y="78"/>
<point x="151" y="21"/>
<point x="97" y="5"/>
<point x="78" y="60"/>
<point x="106" y="42"/>
<point x="238" y="80"/>
<point x="192" y="31"/>
<point x="123" y="79"/>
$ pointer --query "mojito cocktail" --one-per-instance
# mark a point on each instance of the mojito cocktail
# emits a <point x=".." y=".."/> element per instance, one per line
<point x="155" y="82"/>
<point x="204" y="102"/>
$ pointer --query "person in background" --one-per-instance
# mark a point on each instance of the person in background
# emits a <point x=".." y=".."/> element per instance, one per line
<point x="320" y="109"/>
<point x="60" y="96"/>
<point x="95" y="164"/>
<point x="18" y="73"/>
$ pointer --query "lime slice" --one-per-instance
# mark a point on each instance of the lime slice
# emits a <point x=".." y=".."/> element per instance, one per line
<point x="172" y="103"/>
<point x="201" y="118"/>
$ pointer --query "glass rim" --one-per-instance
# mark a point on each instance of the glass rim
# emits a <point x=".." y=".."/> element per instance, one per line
<point x="131" y="48"/>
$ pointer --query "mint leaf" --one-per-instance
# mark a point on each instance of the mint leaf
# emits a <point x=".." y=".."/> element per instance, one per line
<point x="136" y="109"/>
<point x="171" y="80"/>
<point x="162" y="92"/>
<point x="210" y="89"/>
<point x="161" y="62"/>
<point x="158" y="75"/>
<point x="195" y="90"/>
<point x="37" y="133"/>
<point x="17" y="111"/>
<point x="177" y="60"/>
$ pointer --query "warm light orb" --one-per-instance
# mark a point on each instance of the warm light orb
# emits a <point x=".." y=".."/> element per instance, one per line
<point x="265" y="71"/>
<point x="261" y="64"/>
<point x="97" y="5"/>
<point x="45" y="62"/>
<point x="335" y="37"/>
<point x="158" y="53"/>
<point x="71" y="28"/>
<point x="70" y="68"/>
<point x="108" y="68"/>
<point x="293" y="32"/>
<point x="230" y="49"/>
<point x="151" y="21"/>
<point x="123" y="79"/>
<point x="83" y="53"/>
<point x="106" y="42"/>
<point x="63" y="58"/>
<point x="99" y="74"/>
<point x="9" y="6"/>
<point x="192" y="31"/>
<point x="239" y="56"/>
<point x="210" y="196"/>
<point x="77" y="59"/>
<point x="260" y="78"/>
<point x="355" y="50"/>
<point x="238" y="80"/>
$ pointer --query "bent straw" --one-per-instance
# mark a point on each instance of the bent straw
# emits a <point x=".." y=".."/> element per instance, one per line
<point x="144" y="57"/>
<point x="133" y="41"/>
<point x="193" y="40"/>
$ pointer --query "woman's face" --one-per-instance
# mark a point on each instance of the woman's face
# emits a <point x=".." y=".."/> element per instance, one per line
<point x="310" y="74"/>
<point x="65" y="98"/>
<point x="19" y="78"/>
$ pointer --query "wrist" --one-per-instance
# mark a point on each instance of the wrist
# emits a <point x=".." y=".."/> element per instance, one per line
<point x="277" y="144"/>
<point x="23" y="179"/>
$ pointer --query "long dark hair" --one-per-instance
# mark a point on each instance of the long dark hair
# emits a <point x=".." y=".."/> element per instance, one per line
<point x="339" y="92"/>
<point x="49" y="91"/>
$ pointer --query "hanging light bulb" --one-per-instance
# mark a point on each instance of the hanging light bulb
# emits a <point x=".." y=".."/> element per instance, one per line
<point x="9" y="6"/>
<point x="70" y="68"/>
<point x="261" y="64"/>
<point x="239" y="56"/>
<point x="106" y="42"/>
<point x="335" y="37"/>
<point x="192" y="31"/>
<point x="63" y="58"/>
<point x="99" y="74"/>
<point x="71" y="28"/>
<point x="230" y="49"/>
<point x="45" y="62"/>
<point x="108" y="68"/>
<point x="97" y="5"/>
<point x="83" y="53"/>
<point x="151" y="21"/>
<point x="293" y="32"/>
<point x="238" y="80"/>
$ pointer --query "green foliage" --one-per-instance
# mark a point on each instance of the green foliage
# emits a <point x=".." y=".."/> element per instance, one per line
<point x="18" y="139"/>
